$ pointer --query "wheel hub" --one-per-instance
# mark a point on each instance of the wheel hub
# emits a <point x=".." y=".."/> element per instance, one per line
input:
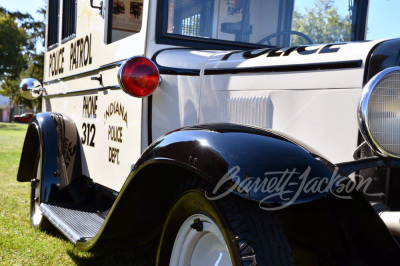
<point x="200" y="242"/>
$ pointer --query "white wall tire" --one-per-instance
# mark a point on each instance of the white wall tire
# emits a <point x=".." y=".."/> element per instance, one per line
<point x="239" y="232"/>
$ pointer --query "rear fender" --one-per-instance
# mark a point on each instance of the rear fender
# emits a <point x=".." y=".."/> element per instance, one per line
<point x="54" y="138"/>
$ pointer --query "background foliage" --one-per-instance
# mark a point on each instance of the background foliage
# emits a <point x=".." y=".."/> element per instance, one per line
<point x="19" y="58"/>
<point x="322" y="23"/>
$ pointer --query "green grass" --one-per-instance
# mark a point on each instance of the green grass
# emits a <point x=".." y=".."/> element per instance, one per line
<point x="20" y="243"/>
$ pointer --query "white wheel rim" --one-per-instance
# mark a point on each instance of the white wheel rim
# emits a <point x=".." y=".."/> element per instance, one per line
<point x="36" y="213"/>
<point x="199" y="248"/>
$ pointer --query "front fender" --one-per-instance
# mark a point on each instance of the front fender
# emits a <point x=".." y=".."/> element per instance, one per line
<point x="210" y="151"/>
<point x="258" y="164"/>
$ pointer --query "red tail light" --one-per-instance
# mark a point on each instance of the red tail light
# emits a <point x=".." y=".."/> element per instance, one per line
<point x="139" y="76"/>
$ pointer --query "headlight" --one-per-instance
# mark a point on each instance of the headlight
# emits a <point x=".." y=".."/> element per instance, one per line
<point x="379" y="112"/>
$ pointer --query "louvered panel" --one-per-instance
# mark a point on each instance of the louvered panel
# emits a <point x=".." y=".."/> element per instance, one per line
<point x="248" y="110"/>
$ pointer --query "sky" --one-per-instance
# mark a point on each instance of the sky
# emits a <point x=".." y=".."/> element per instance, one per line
<point x="24" y="6"/>
<point x="383" y="14"/>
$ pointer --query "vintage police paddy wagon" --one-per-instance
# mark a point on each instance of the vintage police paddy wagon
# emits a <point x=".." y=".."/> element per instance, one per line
<point x="220" y="129"/>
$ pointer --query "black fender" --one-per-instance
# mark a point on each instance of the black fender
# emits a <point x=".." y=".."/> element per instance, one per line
<point x="232" y="157"/>
<point x="385" y="55"/>
<point x="209" y="152"/>
<point x="344" y="222"/>
<point x="54" y="138"/>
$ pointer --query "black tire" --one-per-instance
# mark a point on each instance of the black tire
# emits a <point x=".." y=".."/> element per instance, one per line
<point x="37" y="218"/>
<point x="253" y="236"/>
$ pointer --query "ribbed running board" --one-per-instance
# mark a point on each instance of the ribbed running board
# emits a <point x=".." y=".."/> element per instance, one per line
<point x="77" y="226"/>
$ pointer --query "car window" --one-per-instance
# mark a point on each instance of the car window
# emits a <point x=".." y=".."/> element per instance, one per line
<point x="273" y="22"/>
<point x="68" y="24"/>
<point x="124" y="19"/>
<point x="52" y="23"/>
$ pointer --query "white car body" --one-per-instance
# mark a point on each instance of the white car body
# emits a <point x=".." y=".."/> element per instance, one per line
<point x="216" y="110"/>
<point x="318" y="108"/>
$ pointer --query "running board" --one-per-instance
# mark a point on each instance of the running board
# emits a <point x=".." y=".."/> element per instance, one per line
<point x="77" y="226"/>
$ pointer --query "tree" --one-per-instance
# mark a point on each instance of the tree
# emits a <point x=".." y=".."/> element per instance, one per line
<point x="19" y="35"/>
<point x="322" y="23"/>
<point x="13" y="39"/>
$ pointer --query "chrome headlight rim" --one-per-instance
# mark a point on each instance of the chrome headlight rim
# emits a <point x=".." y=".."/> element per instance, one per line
<point x="363" y="111"/>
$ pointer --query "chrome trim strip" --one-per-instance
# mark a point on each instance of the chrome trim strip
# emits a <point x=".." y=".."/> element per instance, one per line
<point x="358" y="149"/>
<point x="85" y="74"/>
<point x="82" y="92"/>
<point x="363" y="112"/>
<point x="164" y="70"/>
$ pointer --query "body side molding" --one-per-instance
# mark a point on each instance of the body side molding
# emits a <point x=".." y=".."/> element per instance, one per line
<point x="287" y="68"/>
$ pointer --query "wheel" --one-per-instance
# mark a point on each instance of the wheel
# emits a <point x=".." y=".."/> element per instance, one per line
<point x="229" y="231"/>
<point x="37" y="218"/>
<point x="291" y="32"/>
